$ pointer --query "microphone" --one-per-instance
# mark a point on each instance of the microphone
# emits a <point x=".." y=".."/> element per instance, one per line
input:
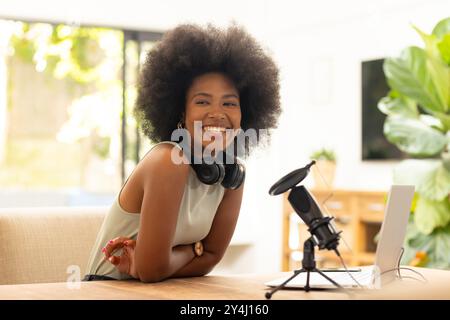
<point x="320" y="227"/>
<point x="322" y="231"/>
<point x="305" y="205"/>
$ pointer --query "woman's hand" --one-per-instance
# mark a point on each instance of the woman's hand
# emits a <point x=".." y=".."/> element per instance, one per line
<point x="125" y="263"/>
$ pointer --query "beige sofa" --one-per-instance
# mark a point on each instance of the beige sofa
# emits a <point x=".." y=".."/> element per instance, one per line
<point x="46" y="244"/>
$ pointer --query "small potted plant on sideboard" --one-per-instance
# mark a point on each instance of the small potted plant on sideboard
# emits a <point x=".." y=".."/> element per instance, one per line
<point x="325" y="168"/>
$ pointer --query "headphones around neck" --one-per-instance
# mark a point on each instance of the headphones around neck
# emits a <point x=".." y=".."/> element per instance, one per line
<point x="230" y="176"/>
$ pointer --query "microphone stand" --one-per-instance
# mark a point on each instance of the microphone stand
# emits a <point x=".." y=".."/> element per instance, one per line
<point x="308" y="266"/>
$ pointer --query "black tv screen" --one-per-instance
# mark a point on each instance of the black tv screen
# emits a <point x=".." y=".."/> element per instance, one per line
<point x="374" y="87"/>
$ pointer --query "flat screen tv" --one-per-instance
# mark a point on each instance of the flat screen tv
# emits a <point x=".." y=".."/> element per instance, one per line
<point x="374" y="87"/>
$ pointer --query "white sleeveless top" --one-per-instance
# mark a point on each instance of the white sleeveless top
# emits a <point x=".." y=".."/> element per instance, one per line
<point x="197" y="210"/>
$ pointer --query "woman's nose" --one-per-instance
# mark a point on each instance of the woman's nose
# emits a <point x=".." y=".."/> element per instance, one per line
<point x="218" y="116"/>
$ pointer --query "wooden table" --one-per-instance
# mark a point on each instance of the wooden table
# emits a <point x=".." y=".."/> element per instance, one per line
<point x="215" y="287"/>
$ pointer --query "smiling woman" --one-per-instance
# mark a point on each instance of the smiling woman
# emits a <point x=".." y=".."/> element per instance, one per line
<point x="213" y="100"/>
<point x="168" y="221"/>
<point x="175" y="71"/>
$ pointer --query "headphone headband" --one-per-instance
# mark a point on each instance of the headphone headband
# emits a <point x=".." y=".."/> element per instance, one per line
<point x="210" y="171"/>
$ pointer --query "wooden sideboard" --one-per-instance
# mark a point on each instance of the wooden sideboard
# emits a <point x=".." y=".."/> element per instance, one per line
<point x="358" y="214"/>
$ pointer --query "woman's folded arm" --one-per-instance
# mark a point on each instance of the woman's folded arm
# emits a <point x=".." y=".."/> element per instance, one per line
<point x="163" y="187"/>
<point x="216" y="242"/>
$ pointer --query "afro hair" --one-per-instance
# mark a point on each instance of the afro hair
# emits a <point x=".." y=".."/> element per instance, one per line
<point x="190" y="50"/>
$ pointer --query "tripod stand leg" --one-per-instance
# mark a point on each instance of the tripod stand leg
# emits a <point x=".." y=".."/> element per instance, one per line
<point x="329" y="279"/>
<point x="307" y="287"/>
<point x="270" y="293"/>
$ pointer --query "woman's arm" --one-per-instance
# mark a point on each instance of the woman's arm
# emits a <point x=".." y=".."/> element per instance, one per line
<point x="163" y="187"/>
<point x="218" y="238"/>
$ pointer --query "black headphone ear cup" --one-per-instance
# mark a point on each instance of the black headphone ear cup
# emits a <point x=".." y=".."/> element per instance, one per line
<point x="209" y="173"/>
<point x="234" y="176"/>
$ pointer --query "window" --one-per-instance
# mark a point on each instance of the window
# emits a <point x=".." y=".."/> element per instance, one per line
<point x="67" y="132"/>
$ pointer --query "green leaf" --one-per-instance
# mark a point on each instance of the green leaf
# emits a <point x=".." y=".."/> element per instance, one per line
<point x="446" y="160"/>
<point x="324" y="154"/>
<point x="441" y="244"/>
<point x="413" y="136"/>
<point x="430" y="41"/>
<point x="442" y="28"/>
<point x="432" y="122"/>
<point x="436" y="245"/>
<point x="435" y="185"/>
<point x="444" y="48"/>
<point x="414" y="241"/>
<point x="436" y="66"/>
<point x="431" y="214"/>
<point x="413" y="171"/>
<point x="399" y="105"/>
<point x="412" y="75"/>
<point x="445" y="120"/>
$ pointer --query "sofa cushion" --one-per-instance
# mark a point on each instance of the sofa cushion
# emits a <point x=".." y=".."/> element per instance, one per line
<point x="46" y="244"/>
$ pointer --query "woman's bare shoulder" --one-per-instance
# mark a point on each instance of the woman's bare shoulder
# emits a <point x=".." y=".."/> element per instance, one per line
<point x="162" y="162"/>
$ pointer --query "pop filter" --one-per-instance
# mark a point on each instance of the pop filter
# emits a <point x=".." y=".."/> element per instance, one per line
<point x="290" y="180"/>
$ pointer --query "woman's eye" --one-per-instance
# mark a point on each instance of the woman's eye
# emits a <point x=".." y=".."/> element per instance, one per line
<point x="202" y="102"/>
<point x="232" y="104"/>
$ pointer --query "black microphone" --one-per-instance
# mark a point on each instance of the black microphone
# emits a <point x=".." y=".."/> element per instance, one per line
<point x="320" y="227"/>
<point x="322" y="231"/>
<point x="305" y="205"/>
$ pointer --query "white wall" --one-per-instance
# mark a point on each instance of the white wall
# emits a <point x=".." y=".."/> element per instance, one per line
<point x="329" y="55"/>
<point x="319" y="47"/>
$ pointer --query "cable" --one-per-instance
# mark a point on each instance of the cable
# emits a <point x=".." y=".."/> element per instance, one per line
<point x="326" y="183"/>
<point x="346" y="270"/>
<point x="330" y="195"/>
<point x="343" y="239"/>
<point x="349" y="248"/>
<point x="377" y="275"/>
<point x="424" y="280"/>
<point x="328" y="213"/>
<point x="398" y="268"/>
<point x="399" y="260"/>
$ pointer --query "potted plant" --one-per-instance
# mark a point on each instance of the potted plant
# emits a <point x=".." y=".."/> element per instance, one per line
<point x="325" y="168"/>
<point x="418" y="123"/>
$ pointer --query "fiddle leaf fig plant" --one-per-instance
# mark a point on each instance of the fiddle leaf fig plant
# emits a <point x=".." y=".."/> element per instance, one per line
<point x="418" y="123"/>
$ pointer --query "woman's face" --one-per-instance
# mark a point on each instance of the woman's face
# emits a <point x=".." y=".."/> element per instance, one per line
<point x="213" y="100"/>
